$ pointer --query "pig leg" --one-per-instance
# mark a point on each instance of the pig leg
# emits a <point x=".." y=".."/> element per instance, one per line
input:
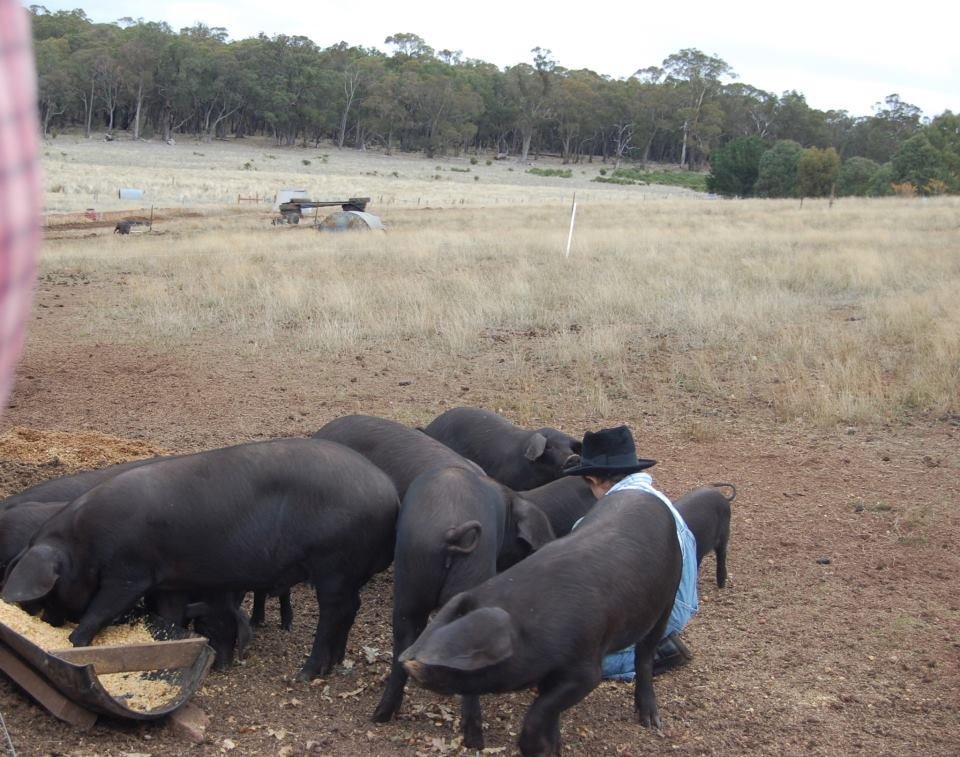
<point x="644" y="697"/>
<point x="113" y="598"/>
<point x="337" y="607"/>
<point x="259" y="608"/>
<point x="722" y="558"/>
<point x="471" y="720"/>
<point x="409" y="620"/>
<point x="286" y="611"/>
<point x="557" y="692"/>
<point x="341" y="628"/>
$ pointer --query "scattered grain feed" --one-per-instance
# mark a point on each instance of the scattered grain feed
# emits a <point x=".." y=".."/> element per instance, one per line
<point x="141" y="691"/>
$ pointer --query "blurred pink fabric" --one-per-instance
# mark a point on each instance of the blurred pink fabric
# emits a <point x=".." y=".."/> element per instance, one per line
<point x="20" y="199"/>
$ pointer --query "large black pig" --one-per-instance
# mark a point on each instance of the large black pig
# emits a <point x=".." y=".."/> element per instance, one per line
<point x="67" y="488"/>
<point x="218" y="617"/>
<point x="260" y="515"/>
<point x="549" y="620"/>
<point x="456" y="529"/>
<point x="517" y="457"/>
<point x="403" y="453"/>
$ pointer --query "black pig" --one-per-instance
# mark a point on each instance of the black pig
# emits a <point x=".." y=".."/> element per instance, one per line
<point x="257" y="515"/>
<point x="517" y="457"/>
<point x="706" y="512"/>
<point x="456" y="528"/>
<point x="403" y="453"/>
<point x="549" y="620"/>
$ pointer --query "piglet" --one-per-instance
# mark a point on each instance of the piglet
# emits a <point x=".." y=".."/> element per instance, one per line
<point x="707" y="514"/>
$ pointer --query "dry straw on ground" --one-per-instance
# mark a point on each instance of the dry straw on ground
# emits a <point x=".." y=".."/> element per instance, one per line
<point x="84" y="450"/>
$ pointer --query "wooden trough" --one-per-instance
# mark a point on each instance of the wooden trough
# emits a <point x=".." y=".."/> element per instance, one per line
<point x="68" y="682"/>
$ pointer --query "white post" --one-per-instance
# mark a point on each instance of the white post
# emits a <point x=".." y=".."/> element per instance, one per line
<point x="573" y="217"/>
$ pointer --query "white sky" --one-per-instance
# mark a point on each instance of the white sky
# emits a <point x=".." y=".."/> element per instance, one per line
<point x="839" y="54"/>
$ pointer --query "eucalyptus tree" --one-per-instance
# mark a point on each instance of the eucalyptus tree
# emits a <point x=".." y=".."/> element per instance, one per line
<point x="141" y="48"/>
<point x="795" y="120"/>
<point x="879" y="136"/>
<point x="531" y="86"/>
<point x="695" y="77"/>
<point x="54" y="83"/>
<point x="497" y="120"/>
<point x="354" y="71"/>
<point x="576" y="103"/>
<point x="748" y="111"/>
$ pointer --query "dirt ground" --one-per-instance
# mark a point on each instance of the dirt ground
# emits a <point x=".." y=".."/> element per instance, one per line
<point x="838" y="632"/>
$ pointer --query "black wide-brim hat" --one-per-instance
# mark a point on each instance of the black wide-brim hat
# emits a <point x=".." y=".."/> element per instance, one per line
<point x="609" y="451"/>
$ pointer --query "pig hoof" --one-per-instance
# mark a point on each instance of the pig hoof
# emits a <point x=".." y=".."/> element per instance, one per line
<point x="304" y="675"/>
<point x="383" y="714"/>
<point x="649" y="720"/>
<point x="473" y="738"/>
<point x="80" y="639"/>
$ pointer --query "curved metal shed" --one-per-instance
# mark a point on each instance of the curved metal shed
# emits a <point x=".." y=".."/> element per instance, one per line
<point x="350" y="220"/>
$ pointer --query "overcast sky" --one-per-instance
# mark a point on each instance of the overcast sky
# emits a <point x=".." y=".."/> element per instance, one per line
<point x="840" y="55"/>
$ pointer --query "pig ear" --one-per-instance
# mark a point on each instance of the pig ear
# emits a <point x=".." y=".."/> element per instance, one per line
<point x="464" y="538"/>
<point x="533" y="527"/>
<point x="34" y="575"/>
<point x="536" y="444"/>
<point x="477" y="640"/>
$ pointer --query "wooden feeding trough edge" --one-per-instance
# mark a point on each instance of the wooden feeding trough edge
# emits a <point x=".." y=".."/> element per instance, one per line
<point x="66" y="681"/>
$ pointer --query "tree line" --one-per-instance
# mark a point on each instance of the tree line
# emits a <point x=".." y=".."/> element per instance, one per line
<point x="143" y="78"/>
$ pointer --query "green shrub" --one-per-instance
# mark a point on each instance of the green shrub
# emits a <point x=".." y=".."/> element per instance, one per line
<point x="614" y="180"/>
<point x="735" y="166"/>
<point x="688" y="179"/>
<point x="855" y="176"/>
<point x="777" y="175"/>
<point x="563" y="173"/>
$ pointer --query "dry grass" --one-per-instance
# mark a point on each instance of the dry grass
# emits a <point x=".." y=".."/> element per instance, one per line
<point x="87" y="174"/>
<point x="844" y="314"/>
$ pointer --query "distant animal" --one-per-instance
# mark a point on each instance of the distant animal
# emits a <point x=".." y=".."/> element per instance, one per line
<point x="517" y="457"/>
<point x="706" y="512"/>
<point x="123" y="227"/>
<point x="403" y="453"/>
<point x="548" y="621"/>
<point x="456" y="529"/>
<point x="260" y="515"/>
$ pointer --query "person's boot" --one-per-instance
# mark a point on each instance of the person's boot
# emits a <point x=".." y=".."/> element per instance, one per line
<point x="671" y="653"/>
